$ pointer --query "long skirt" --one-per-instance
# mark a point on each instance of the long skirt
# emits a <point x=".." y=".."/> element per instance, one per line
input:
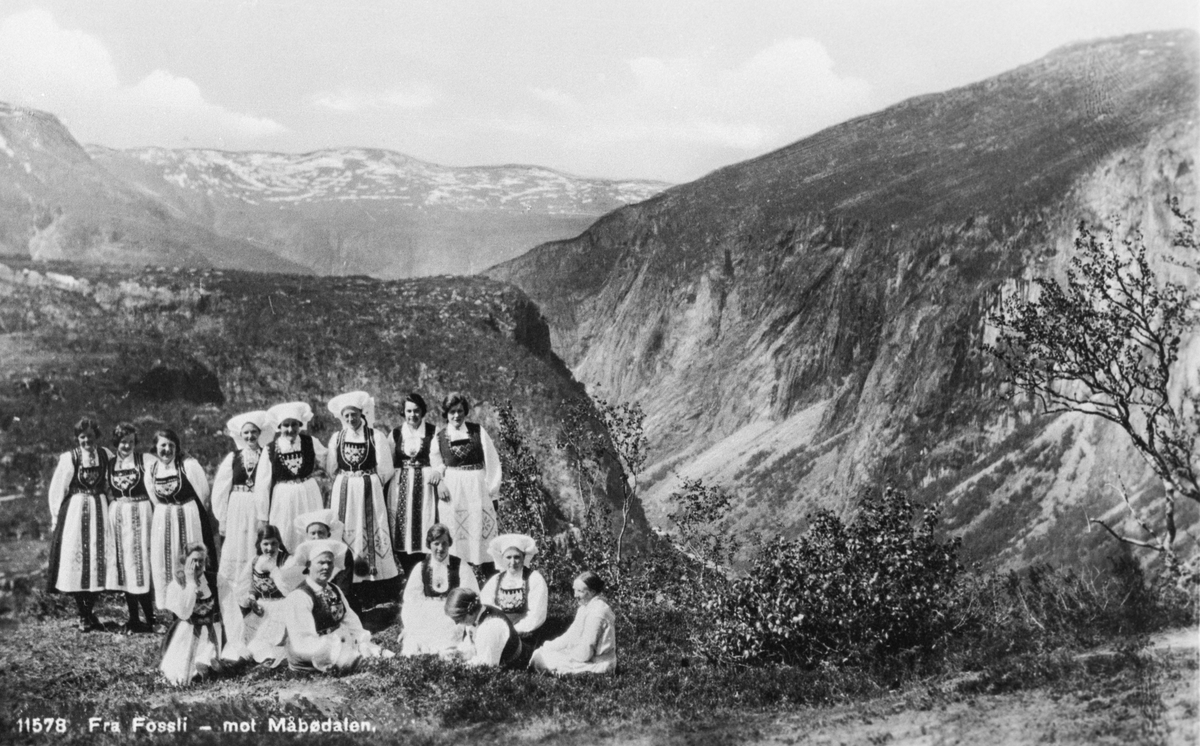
<point x="427" y="629"/>
<point x="241" y="533"/>
<point x="358" y="502"/>
<point x="191" y="651"/>
<point x="289" y="500"/>
<point x="82" y="554"/>
<point x="267" y="633"/>
<point x="131" y="523"/>
<point x="173" y="528"/>
<point x="415" y="503"/>
<point x="471" y="513"/>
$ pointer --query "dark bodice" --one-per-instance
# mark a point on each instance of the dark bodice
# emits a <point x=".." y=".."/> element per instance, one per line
<point x="90" y="480"/>
<point x="356" y="456"/>
<point x="129" y="483"/>
<point x="465" y="453"/>
<point x="295" y="466"/>
<point x="328" y="609"/>
<point x="403" y="460"/>
<point x="452" y="577"/>
<point x="514" y="600"/>
<point x="172" y="489"/>
<point x="243" y="473"/>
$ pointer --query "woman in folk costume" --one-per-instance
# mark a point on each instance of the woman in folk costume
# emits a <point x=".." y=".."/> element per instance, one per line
<point x="285" y="484"/>
<point x="491" y="639"/>
<point x="426" y="628"/>
<point x="260" y="592"/>
<point x="177" y="482"/>
<point x="236" y="511"/>
<point x="413" y="490"/>
<point x="82" y="556"/>
<point x="361" y="462"/>
<point x="470" y="480"/>
<point x="517" y="590"/>
<point x="194" y="645"/>
<point x="132" y="515"/>
<point x="590" y="644"/>
<point x="319" y="525"/>
<point x="323" y="632"/>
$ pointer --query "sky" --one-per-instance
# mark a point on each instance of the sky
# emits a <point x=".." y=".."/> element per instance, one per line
<point x="665" y="90"/>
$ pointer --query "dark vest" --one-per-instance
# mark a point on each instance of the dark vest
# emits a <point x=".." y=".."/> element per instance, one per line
<point x="129" y="483"/>
<point x="328" y="610"/>
<point x="465" y="453"/>
<point x="400" y="459"/>
<point x="452" y="577"/>
<point x="174" y="489"/>
<point x="514" y="600"/>
<point x="263" y="584"/>
<point x="242" y="477"/>
<point x="89" y="480"/>
<point x="295" y="466"/>
<point x="356" y="456"/>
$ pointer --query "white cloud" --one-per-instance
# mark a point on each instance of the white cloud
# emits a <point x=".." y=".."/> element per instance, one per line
<point x="416" y="96"/>
<point x="71" y="74"/>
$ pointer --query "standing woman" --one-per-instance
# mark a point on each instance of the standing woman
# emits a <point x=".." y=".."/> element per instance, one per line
<point x="413" y="489"/>
<point x="470" y="480"/>
<point x="81" y="555"/>
<point x="132" y="513"/>
<point x="361" y="461"/>
<point x="236" y="511"/>
<point x="181" y="518"/>
<point x="285" y="485"/>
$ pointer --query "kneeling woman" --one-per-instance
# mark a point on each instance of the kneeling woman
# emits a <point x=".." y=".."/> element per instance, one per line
<point x="590" y="644"/>
<point x="194" y="644"/>
<point x="427" y="629"/>
<point x="260" y="592"/>
<point x="323" y="632"/>
<point x="491" y="641"/>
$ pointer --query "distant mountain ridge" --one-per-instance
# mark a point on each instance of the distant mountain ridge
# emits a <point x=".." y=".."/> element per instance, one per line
<point x="336" y="211"/>
<point x="808" y="323"/>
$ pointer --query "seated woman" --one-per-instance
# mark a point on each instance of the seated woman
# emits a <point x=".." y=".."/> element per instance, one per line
<point x="517" y="590"/>
<point x="260" y="592"/>
<point x="194" y="643"/>
<point x="323" y="632"/>
<point x="317" y="525"/>
<point x="426" y="628"/>
<point x="491" y="639"/>
<point x="590" y="644"/>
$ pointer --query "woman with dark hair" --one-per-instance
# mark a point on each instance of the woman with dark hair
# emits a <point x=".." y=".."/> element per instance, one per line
<point x="260" y="593"/>
<point x="590" y="644"/>
<point x="132" y="514"/>
<point x="412" y="492"/>
<point x="194" y="643"/>
<point x="360" y="462"/>
<point x="491" y="639"/>
<point x="236" y="512"/>
<point x="285" y="483"/>
<point x="82" y="560"/>
<point x="178" y="483"/>
<point x="470" y="482"/>
<point x="425" y="628"/>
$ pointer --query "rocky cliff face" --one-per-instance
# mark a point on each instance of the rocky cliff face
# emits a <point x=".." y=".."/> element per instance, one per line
<point x="365" y="211"/>
<point x="808" y="323"/>
<point x="191" y="348"/>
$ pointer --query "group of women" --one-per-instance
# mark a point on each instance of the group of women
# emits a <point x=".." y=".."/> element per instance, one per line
<point x="268" y="567"/>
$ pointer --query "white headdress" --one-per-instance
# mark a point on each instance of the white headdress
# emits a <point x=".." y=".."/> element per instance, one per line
<point x="504" y="542"/>
<point x="360" y="400"/>
<point x="293" y="410"/>
<point x="260" y="419"/>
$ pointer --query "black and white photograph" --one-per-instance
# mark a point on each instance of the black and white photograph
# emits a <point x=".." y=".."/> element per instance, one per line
<point x="528" y="372"/>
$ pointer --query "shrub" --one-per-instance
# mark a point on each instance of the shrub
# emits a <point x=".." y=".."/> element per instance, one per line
<point x="842" y="593"/>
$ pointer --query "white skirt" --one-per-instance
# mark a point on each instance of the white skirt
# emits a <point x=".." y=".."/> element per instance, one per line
<point x="363" y="523"/>
<point x="187" y="656"/>
<point x="173" y="527"/>
<point x="470" y="514"/>
<point x="413" y="517"/>
<point x="241" y="533"/>
<point x="131" y="525"/>
<point x="288" y="501"/>
<point x="268" y="633"/>
<point x="87" y="555"/>
<point x="427" y="629"/>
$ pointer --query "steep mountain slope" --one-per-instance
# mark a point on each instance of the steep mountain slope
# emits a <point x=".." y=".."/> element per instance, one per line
<point x="807" y="323"/>
<point x="190" y="348"/>
<point x="56" y="203"/>
<point x="378" y="212"/>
